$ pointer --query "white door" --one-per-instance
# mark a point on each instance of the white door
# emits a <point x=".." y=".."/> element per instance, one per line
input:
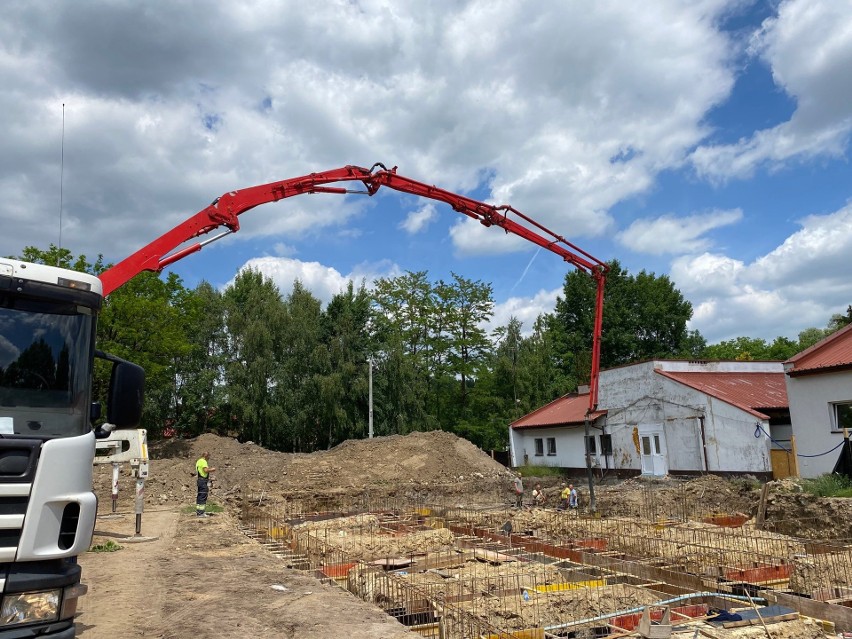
<point x="652" y="448"/>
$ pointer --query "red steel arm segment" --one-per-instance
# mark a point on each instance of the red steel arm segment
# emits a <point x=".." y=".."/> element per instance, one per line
<point x="225" y="211"/>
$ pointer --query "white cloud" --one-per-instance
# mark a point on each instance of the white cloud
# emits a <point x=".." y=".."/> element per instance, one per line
<point x="799" y="284"/>
<point x="525" y="309"/>
<point x="418" y="220"/>
<point x="818" y="253"/>
<point x="324" y="282"/>
<point x="808" y="46"/>
<point x="561" y="115"/>
<point x="670" y="234"/>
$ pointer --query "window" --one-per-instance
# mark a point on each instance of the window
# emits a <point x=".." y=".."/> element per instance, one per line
<point x="551" y="445"/>
<point x="842" y="416"/>
<point x="591" y="446"/>
<point x="539" y="447"/>
<point x="606" y="444"/>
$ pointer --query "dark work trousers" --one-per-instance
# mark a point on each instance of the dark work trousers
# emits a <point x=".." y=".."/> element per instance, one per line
<point x="203" y="491"/>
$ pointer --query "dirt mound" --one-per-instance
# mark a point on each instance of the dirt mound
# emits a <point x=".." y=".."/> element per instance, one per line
<point x="427" y="466"/>
<point x="681" y="498"/>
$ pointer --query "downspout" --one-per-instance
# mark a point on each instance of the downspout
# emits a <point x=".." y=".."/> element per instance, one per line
<point x="703" y="443"/>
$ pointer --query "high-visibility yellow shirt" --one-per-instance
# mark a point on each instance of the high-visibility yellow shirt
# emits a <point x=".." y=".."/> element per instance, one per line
<point x="565" y="493"/>
<point x="201" y="467"/>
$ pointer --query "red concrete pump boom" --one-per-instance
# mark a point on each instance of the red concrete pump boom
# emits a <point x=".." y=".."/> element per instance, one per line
<point x="225" y="210"/>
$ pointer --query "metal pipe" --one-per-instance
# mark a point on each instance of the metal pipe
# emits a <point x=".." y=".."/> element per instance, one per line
<point x="665" y="602"/>
<point x="592" y="506"/>
<point x="703" y="443"/>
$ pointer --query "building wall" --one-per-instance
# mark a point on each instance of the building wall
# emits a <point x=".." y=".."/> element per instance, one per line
<point x="811" y="397"/>
<point x="569" y="447"/>
<point x="636" y="396"/>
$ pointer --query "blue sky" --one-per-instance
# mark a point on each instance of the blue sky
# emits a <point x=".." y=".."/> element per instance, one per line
<point x="706" y="140"/>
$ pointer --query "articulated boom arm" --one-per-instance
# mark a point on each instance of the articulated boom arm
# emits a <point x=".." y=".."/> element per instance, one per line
<point x="225" y="210"/>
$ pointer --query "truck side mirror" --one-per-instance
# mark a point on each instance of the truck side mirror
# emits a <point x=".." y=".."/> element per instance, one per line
<point x="126" y="395"/>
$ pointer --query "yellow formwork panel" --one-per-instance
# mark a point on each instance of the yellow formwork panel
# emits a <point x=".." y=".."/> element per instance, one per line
<point x="428" y="630"/>
<point x="278" y="533"/>
<point x="532" y="633"/>
<point x="571" y="585"/>
<point x="423" y="512"/>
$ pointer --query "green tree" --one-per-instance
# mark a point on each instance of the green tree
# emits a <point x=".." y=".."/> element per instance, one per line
<point x="838" y="321"/>
<point x="644" y="317"/>
<point x="304" y="363"/>
<point x="540" y="379"/>
<point x="472" y="305"/>
<point x="254" y="320"/>
<point x="199" y="373"/>
<point x="142" y="322"/>
<point x="63" y="258"/>
<point x="741" y="349"/>
<point x="344" y="383"/>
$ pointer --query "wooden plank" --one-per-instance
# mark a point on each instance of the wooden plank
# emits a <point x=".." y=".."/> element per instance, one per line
<point x="841" y="616"/>
<point x="491" y="556"/>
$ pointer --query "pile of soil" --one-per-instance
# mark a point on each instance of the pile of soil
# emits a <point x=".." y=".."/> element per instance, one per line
<point x="418" y="467"/>
<point x="678" y="498"/>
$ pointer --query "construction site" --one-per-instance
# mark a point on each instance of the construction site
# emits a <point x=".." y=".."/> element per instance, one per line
<point x="421" y="529"/>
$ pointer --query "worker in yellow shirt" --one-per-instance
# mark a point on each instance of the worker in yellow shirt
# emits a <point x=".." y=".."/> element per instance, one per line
<point x="202" y="470"/>
<point x="564" y="497"/>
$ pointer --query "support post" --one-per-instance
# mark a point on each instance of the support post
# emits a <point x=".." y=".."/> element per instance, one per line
<point x="370" y="427"/>
<point x="114" y="486"/>
<point x="140" y="503"/>
<point x="795" y="454"/>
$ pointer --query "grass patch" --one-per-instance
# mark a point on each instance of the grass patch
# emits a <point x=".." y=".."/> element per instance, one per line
<point x="530" y="470"/>
<point x="828" y="485"/>
<point x="746" y="483"/>
<point x="108" y="546"/>
<point x="211" y="508"/>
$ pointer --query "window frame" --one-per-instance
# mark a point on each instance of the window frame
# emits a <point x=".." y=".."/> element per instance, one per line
<point x="551" y="447"/>
<point x="606" y="444"/>
<point x="836" y="426"/>
<point x="539" y="446"/>
<point x="591" y="445"/>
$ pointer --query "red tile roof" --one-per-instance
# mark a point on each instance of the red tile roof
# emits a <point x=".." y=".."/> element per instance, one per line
<point x="748" y="391"/>
<point x="832" y="353"/>
<point x="568" y="410"/>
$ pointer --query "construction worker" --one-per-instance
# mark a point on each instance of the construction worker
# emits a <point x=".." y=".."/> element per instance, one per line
<point x="202" y="470"/>
<point x="518" y="485"/>
<point x="538" y="495"/>
<point x="573" y="501"/>
<point x="564" y="496"/>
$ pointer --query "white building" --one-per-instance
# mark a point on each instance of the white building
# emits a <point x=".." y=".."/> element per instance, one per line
<point x="819" y="385"/>
<point x="665" y="417"/>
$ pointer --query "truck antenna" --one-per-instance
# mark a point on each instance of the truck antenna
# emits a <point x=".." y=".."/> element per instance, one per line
<point x="61" y="176"/>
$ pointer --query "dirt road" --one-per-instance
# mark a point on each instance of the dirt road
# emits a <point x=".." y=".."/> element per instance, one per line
<point x="202" y="577"/>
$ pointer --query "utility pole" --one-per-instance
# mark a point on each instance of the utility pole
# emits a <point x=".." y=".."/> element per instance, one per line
<point x="370" y="364"/>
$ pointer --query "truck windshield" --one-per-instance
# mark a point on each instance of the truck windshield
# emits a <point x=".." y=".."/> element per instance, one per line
<point x="45" y="368"/>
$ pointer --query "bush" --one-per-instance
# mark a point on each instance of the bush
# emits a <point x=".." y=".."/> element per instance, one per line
<point x="108" y="546"/>
<point x="828" y="485"/>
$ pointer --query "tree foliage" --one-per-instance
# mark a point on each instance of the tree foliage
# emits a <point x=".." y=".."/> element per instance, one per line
<point x="644" y="317"/>
<point x="291" y="375"/>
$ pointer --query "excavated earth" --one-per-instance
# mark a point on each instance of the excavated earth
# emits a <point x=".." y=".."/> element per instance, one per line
<point x="185" y="573"/>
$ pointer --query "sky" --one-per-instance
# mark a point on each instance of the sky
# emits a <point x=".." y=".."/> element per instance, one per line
<point x="706" y="140"/>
